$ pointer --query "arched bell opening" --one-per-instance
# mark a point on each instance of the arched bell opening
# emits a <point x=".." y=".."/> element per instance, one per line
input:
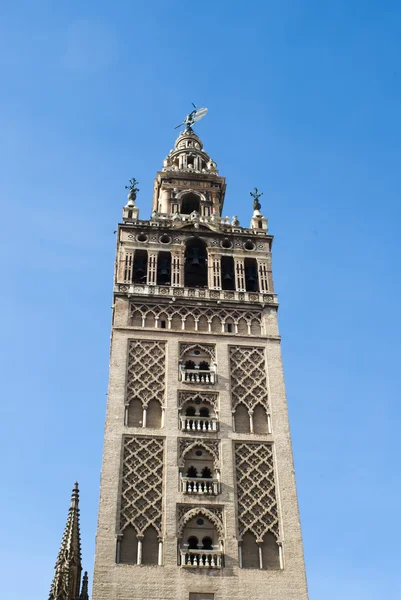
<point x="227" y="273"/>
<point x="195" y="269"/>
<point x="140" y="268"/>
<point x="189" y="203"/>
<point x="251" y="275"/>
<point x="163" y="268"/>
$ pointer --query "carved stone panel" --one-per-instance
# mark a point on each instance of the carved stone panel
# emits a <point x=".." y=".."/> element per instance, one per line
<point x="256" y="490"/>
<point x="146" y="371"/>
<point x="248" y="377"/>
<point x="142" y="484"/>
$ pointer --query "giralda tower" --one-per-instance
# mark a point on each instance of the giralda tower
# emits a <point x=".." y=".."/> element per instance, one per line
<point x="198" y="497"/>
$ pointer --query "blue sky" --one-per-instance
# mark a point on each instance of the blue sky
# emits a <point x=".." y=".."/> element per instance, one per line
<point x="304" y="102"/>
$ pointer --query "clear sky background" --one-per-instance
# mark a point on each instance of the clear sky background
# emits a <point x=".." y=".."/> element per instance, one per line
<point x="304" y="102"/>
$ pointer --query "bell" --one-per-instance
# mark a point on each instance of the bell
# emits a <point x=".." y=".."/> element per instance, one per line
<point x="195" y="261"/>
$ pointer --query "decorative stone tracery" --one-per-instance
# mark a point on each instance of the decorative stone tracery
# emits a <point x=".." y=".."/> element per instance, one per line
<point x="142" y="484"/>
<point x="208" y="397"/>
<point x="208" y="349"/>
<point x="210" y="446"/>
<point x="192" y="318"/>
<point x="248" y="377"/>
<point x="146" y="371"/>
<point x="256" y="491"/>
<point x="213" y="513"/>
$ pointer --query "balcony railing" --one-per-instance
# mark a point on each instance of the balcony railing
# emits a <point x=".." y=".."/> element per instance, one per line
<point x="167" y="290"/>
<point x="197" y="485"/>
<point x="202" y="559"/>
<point x="199" y="424"/>
<point x="197" y="376"/>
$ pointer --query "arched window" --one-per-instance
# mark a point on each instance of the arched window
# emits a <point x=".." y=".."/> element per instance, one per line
<point x="140" y="267"/>
<point x="207" y="543"/>
<point x="189" y="364"/>
<point x="204" y="412"/>
<point x="193" y="542"/>
<point x="242" y="423"/>
<point x="195" y="270"/>
<point x="135" y="413"/>
<point x="260" y="419"/>
<point x="189" y="203"/>
<point x="129" y="546"/>
<point x="154" y="414"/>
<point x="206" y="473"/>
<point x="192" y="472"/>
<point x="250" y="552"/>
<point x="150" y="547"/>
<point x="190" y="411"/>
<point x="270" y="552"/>
<point x="204" y="365"/>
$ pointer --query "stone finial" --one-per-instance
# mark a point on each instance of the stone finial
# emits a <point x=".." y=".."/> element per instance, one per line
<point x="84" y="590"/>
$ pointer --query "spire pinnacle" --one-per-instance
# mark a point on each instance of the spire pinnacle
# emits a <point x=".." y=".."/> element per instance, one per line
<point x="67" y="577"/>
<point x="84" y="591"/>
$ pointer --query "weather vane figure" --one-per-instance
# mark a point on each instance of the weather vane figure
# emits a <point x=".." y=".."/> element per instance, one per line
<point x="133" y="188"/>
<point x="195" y="115"/>
<point x="256" y="195"/>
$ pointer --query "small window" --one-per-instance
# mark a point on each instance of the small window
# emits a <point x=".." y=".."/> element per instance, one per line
<point x="130" y="214"/>
<point x="229" y="327"/>
<point x="163" y="324"/>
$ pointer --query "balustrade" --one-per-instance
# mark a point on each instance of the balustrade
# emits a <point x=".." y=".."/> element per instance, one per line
<point x="203" y="559"/>
<point x="195" y="485"/>
<point x="197" y="376"/>
<point x="199" y="424"/>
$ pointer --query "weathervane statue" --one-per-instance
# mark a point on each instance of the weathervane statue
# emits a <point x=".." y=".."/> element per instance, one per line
<point x="256" y="195"/>
<point x="195" y="115"/>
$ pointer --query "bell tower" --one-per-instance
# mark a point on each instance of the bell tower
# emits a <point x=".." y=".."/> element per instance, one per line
<point x="198" y="497"/>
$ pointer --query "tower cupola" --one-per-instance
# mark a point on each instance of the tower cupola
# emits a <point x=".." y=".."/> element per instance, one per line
<point x="188" y="155"/>
<point x="188" y="187"/>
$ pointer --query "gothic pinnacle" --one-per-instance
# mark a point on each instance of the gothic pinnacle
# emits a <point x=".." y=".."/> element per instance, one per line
<point x="67" y="577"/>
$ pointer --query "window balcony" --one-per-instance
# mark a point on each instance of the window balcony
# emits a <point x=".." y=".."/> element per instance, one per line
<point x="197" y="375"/>
<point x="202" y="559"/>
<point x="199" y="424"/>
<point x="197" y="485"/>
